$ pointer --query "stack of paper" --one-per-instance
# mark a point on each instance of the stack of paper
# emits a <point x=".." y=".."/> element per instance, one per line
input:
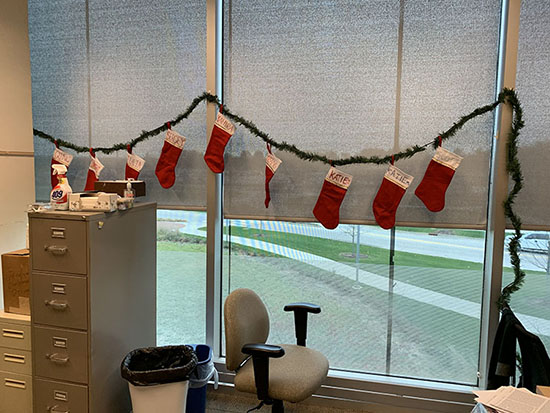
<point x="513" y="400"/>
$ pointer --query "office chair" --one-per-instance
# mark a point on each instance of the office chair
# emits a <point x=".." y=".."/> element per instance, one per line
<point x="294" y="372"/>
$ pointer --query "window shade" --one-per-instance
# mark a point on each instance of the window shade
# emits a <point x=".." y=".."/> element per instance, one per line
<point x="532" y="78"/>
<point x="146" y="63"/>
<point x="325" y="78"/>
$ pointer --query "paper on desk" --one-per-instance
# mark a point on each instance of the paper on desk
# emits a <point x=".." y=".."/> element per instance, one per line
<point x="512" y="400"/>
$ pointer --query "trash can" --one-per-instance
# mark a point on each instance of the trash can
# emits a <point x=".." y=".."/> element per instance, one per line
<point x="205" y="370"/>
<point x="158" y="377"/>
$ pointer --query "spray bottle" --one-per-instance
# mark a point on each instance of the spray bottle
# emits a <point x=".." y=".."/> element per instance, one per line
<point x="59" y="197"/>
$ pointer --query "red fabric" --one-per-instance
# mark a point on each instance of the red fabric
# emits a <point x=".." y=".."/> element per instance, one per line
<point x="268" y="175"/>
<point x="166" y="165"/>
<point x="215" y="149"/>
<point x="386" y="202"/>
<point x="130" y="173"/>
<point x="327" y="208"/>
<point x="431" y="190"/>
<point x="91" y="179"/>
<point x="53" y="177"/>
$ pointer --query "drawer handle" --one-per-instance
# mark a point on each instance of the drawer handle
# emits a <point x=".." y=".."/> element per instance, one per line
<point x="16" y="384"/>
<point x="56" y="305"/>
<point x="13" y="333"/>
<point x="54" y="409"/>
<point x="57" y="358"/>
<point x="14" y="358"/>
<point x="56" y="249"/>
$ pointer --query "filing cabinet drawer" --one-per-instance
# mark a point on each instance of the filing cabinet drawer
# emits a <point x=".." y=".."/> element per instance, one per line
<point x="52" y="396"/>
<point x="15" y="361"/>
<point x="58" y="245"/>
<point x="60" y="354"/>
<point x="15" y="393"/>
<point x="15" y="336"/>
<point x="59" y="300"/>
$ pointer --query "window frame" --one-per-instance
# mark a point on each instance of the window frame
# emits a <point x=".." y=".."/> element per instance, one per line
<point x="343" y="387"/>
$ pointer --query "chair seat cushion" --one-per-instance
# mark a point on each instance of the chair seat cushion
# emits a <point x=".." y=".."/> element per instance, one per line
<point x="293" y="377"/>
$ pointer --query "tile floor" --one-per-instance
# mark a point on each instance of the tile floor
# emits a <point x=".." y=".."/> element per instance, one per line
<point x="225" y="403"/>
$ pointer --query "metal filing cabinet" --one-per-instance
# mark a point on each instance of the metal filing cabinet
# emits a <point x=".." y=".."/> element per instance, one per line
<point x="15" y="363"/>
<point x="93" y="299"/>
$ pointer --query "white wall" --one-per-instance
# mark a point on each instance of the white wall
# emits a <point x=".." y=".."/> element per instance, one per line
<point x="16" y="139"/>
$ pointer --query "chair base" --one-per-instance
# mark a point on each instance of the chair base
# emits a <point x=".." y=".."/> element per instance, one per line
<point x="278" y="407"/>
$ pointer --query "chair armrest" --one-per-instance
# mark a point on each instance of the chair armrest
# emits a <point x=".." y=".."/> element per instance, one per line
<point x="263" y="350"/>
<point x="300" y="319"/>
<point x="261" y="353"/>
<point x="308" y="307"/>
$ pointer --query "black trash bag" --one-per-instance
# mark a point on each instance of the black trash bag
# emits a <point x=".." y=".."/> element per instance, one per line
<point x="158" y="365"/>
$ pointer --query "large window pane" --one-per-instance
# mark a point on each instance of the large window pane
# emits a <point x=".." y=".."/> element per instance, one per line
<point x="181" y="277"/>
<point x="436" y="309"/>
<point x="104" y="71"/>
<point x="419" y="318"/>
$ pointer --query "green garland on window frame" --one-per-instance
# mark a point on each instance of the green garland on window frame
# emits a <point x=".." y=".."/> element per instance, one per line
<point x="513" y="166"/>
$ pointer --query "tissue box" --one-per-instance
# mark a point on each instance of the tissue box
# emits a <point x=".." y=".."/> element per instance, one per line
<point x="118" y="187"/>
<point x="15" y="278"/>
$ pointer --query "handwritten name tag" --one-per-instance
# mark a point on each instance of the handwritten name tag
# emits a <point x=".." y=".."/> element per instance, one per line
<point x="447" y="158"/>
<point x="62" y="157"/>
<point x="338" y="178"/>
<point x="223" y="123"/>
<point x="398" y="177"/>
<point x="272" y="162"/>
<point x="135" y="162"/>
<point x="96" y="166"/>
<point x="175" y="139"/>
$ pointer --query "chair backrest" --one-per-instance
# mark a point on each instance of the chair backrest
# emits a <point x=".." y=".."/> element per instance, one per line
<point x="246" y="321"/>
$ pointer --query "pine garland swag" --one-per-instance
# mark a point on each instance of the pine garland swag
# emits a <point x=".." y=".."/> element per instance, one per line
<point x="513" y="166"/>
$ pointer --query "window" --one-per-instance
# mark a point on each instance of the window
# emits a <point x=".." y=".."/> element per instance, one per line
<point x="350" y="77"/>
<point x="181" y="280"/>
<point x="417" y="318"/>
<point x="342" y="77"/>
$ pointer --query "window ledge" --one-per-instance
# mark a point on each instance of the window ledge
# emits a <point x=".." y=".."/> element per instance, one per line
<point x="342" y="388"/>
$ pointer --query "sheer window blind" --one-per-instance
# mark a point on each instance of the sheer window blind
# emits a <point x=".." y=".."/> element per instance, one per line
<point x="532" y="78"/>
<point x="104" y="71"/>
<point x="329" y="78"/>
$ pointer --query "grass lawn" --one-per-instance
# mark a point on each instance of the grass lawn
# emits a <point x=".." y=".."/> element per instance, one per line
<point x="353" y="319"/>
<point x="427" y="341"/>
<point x="472" y="233"/>
<point x="458" y="278"/>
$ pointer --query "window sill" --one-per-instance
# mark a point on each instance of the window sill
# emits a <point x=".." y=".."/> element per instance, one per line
<point x="362" y="390"/>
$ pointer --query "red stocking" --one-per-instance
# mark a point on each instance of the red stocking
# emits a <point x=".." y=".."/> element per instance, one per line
<point x="389" y="195"/>
<point x="221" y="133"/>
<point x="59" y="157"/>
<point x="134" y="164"/>
<point x="93" y="172"/>
<point x="166" y="165"/>
<point x="327" y="208"/>
<point x="271" y="165"/>
<point x="437" y="178"/>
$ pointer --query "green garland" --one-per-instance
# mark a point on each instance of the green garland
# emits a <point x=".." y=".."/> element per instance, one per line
<point x="513" y="168"/>
<point x="512" y="163"/>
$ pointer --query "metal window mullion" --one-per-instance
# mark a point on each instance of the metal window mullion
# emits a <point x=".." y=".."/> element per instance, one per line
<point x="214" y="240"/>
<point x="498" y="185"/>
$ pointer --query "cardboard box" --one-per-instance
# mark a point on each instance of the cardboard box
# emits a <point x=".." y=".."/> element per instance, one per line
<point x="118" y="187"/>
<point x="543" y="391"/>
<point x="15" y="279"/>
